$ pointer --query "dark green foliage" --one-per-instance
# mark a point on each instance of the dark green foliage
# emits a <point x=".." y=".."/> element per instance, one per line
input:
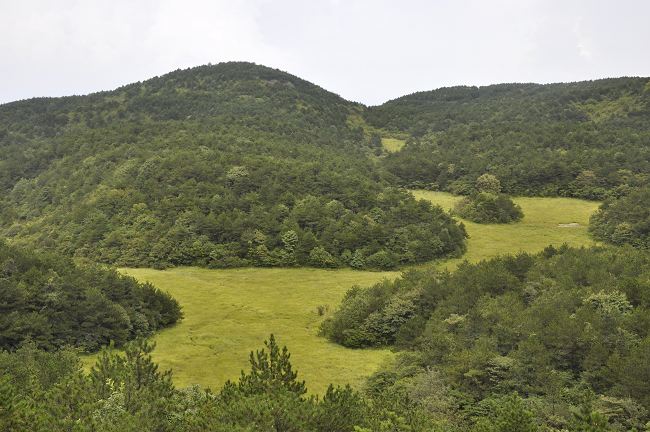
<point x="210" y="166"/>
<point x="505" y="414"/>
<point x="585" y="139"/>
<point x="270" y="371"/>
<point x="127" y="393"/>
<point x="53" y="302"/>
<point x="625" y="220"/>
<point x="485" y="207"/>
<point x="560" y="328"/>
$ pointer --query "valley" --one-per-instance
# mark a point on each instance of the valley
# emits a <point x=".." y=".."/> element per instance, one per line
<point x="227" y="312"/>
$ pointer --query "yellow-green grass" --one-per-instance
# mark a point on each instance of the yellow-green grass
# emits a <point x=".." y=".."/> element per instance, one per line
<point x="392" y="145"/>
<point x="540" y="227"/>
<point x="228" y="313"/>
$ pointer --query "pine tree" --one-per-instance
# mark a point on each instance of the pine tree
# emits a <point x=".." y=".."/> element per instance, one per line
<point x="271" y="371"/>
<point x="12" y="409"/>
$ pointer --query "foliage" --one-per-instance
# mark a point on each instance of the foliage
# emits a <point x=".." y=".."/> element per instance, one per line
<point x="210" y="166"/>
<point x="486" y="207"/>
<point x="270" y="371"/>
<point x="625" y="220"/>
<point x="585" y="139"/>
<point x="52" y="302"/>
<point x="561" y="327"/>
<point x="127" y="393"/>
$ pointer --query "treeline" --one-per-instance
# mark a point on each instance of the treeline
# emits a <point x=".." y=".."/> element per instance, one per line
<point x="586" y="139"/>
<point x="50" y="301"/>
<point x="47" y="391"/>
<point x="41" y="391"/>
<point x="567" y="329"/>
<point x="220" y="166"/>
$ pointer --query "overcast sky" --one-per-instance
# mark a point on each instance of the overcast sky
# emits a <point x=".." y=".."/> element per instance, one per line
<point x="365" y="50"/>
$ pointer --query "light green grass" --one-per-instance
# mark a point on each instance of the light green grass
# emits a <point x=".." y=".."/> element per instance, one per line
<point x="392" y="145"/>
<point x="228" y="313"/>
<point x="539" y="227"/>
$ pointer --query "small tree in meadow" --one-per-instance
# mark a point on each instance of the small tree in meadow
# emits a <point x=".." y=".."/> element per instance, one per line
<point x="488" y="183"/>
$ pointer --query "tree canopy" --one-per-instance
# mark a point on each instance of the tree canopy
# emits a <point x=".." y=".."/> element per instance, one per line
<point x="568" y="328"/>
<point x="585" y="139"/>
<point x="49" y="300"/>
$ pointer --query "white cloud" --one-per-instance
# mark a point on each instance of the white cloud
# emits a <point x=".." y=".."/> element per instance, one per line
<point x="584" y="42"/>
<point x="366" y="50"/>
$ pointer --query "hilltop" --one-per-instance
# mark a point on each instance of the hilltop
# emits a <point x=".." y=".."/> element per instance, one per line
<point x="239" y="164"/>
<point x="223" y="166"/>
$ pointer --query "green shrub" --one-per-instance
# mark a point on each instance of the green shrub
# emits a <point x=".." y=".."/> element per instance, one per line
<point x="486" y="207"/>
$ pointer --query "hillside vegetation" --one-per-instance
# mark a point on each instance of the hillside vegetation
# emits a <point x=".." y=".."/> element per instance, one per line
<point x="568" y="329"/>
<point x="240" y="165"/>
<point x="228" y="311"/>
<point x="237" y="164"/>
<point x="219" y="166"/>
<point x="586" y="139"/>
<point x="625" y="220"/>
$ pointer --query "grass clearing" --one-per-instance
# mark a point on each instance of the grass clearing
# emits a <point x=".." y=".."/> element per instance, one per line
<point x="392" y="145"/>
<point x="541" y="226"/>
<point x="228" y="313"/>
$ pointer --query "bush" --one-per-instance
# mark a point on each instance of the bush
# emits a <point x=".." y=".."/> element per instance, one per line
<point x="486" y="207"/>
<point x="625" y="220"/>
<point x="319" y="257"/>
<point x="381" y="260"/>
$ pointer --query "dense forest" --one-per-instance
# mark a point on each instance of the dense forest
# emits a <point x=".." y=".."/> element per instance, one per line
<point x="586" y="139"/>
<point x="48" y="391"/>
<point x="220" y="166"/>
<point x="42" y="391"/>
<point x="238" y="164"/>
<point x="50" y="301"/>
<point x="568" y="330"/>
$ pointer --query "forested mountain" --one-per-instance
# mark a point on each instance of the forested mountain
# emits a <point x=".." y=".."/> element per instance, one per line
<point x="238" y="164"/>
<point x="568" y="329"/>
<point x="587" y="139"/>
<point x="50" y="301"/>
<point x="227" y="165"/>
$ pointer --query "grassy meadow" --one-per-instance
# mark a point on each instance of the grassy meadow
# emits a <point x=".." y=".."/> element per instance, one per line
<point x="228" y="313"/>
<point x="541" y="226"/>
<point x="392" y="145"/>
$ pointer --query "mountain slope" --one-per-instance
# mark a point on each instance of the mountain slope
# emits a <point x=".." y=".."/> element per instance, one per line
<point x="227" y="165"/>
<point x="581" y="139"/>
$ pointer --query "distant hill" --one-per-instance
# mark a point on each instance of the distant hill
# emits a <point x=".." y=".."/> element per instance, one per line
<point x="239" y="164"/>
<point x="227" y="165"/>
<point x="586" y="139"/>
